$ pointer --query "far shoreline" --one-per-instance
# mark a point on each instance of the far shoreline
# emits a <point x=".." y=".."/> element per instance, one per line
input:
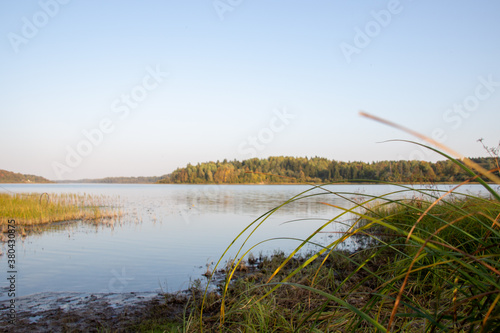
<point x="311" y="184"/>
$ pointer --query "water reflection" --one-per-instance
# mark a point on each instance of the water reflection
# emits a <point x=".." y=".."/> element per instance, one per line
<point x="168" y="233"/>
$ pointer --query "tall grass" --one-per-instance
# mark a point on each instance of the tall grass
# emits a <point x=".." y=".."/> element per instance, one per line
<point x="29" y="209"/>
<point x="432" y="265"/>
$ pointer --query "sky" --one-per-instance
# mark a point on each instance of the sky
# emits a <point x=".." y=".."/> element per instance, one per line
<point x="93" y="89"/>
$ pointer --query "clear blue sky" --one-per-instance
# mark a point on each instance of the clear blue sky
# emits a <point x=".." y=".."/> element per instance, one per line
<point x="69" y="67"/>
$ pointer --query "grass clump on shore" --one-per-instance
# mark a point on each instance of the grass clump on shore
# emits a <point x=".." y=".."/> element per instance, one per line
<point x="31" y="209"/>
<point x="251" y="304"/>
<point x="432" y="265"/>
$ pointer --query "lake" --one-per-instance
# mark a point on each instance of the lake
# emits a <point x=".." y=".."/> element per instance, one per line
<point x="168" y="234"/>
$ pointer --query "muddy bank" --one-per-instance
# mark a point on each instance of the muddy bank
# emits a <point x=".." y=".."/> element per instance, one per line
<point x="80" y="312"/>
<point x="105" y="312"/>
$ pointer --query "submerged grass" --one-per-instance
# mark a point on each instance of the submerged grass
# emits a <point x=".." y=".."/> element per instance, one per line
<point x="31" y="209"/>
<point x="432" y="265"/>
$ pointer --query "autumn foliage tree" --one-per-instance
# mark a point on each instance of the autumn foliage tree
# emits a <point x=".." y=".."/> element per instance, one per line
<point x="280" y="169"/>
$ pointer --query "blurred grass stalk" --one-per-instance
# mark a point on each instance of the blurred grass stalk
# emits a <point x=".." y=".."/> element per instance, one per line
<point x="432" y="264"/>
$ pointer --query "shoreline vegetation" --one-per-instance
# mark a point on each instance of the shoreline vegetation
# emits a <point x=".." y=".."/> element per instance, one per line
<point x="31" y="210"/>
<point x="317" y="170"/>
<point x="116" y="180"/>
<point x="13" y="177"/>
<point x="428" y="265"/>
<point x="287" y="170"/>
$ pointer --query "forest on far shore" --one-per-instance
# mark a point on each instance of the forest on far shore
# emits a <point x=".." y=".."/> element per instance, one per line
<point x="276" y="170"/>
<point x="13" y="177"/>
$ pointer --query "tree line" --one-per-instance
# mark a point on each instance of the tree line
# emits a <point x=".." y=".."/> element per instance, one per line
<point x="117" y="180"/>
<point x="276" y="170"/>
<point x="14" y="177"/>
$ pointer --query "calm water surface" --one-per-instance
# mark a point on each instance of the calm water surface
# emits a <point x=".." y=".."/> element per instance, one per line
<point x="168" y="234"/>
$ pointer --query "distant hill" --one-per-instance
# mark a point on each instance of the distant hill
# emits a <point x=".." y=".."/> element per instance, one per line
<point x="13" y="177"/>
<point x="280" y="169"/>
<point x="117" y="180"/>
